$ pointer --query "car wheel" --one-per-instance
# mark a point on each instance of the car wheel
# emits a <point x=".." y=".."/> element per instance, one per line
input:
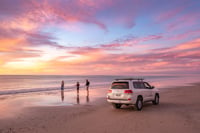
<point x="139" y="104"/>
<point x="117" y="106"/>
<point x="156" y="100"/>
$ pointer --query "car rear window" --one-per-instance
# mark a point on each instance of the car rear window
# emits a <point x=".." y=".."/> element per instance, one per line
<point x="120" y="85"/>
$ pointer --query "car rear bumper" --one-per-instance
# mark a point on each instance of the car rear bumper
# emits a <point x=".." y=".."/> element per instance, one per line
<point x="120" y="101"/>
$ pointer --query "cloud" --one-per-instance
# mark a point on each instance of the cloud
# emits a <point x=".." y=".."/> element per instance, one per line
<point x="155" y="61"/>
<point x="28" y="36"/>
<point x="12" y="8"/>
<point x="175" y="17"/>
<point x="178" y="58"/>
<point x="13" y="40"/>
<point x="64" y="11"/>
<point x="96" y="61"/>
<point x="40" y="38"/>
<point x="35" y="13"/>
<point x="129" y="42"/>
<point x="186" y="20"/>
<point x="169" y="14"/>
<point x="18" y="56"/>
<point x="183" y="47"/>
<point x="185" y="35"/>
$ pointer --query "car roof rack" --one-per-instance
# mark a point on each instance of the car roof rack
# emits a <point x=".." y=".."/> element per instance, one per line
<point x="139" y="79"/>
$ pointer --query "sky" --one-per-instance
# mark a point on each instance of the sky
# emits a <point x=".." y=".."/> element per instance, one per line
<point x="99" y="37"/>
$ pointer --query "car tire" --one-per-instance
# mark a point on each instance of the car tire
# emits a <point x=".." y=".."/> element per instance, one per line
<point x="117" y="106"/>
<point x="139" y="104"/>
<point x="156" y="100"/>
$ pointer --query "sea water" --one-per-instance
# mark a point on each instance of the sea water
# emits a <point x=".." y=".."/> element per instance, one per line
<point x="13" y="84"/>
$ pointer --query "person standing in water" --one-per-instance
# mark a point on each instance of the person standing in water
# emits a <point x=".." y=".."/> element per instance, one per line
<point x="87" y="84"/>
<point x="62" y="85"/>
<point x="62" y="90"/>
<point x="77" y="87"/>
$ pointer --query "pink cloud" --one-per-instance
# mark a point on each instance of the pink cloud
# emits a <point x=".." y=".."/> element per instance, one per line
<point x="186" y="20"/>
<point x="14" y="40"/>
<point x="23" y="21"/>
<point x="130" y="41"/>
<point x="85" y="50"/>
<point x="115" y="46"/>
<point x="172" y="60"/>
<point x="191" y="45"/>
<point x="67" y="11"/>
<point x="185" y="35"/>
<point x="41" y="12"/>
<point x="168" y="15"/>
<point x="150" y="37"/>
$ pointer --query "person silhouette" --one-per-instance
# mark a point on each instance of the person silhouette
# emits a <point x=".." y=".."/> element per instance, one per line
<point x="87" y="84"/>
<point x="62" y="90"/>
<point x="77" y="87"/>
<point x="62" y="85"/>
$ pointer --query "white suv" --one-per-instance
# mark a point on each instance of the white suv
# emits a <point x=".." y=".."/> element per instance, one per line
<point x="132" y="91"/>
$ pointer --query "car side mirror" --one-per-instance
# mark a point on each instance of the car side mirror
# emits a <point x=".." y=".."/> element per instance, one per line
<point x="152" y="87"/>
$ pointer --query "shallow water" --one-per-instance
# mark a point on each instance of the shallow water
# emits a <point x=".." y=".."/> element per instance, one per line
<point x="12" y="84"/>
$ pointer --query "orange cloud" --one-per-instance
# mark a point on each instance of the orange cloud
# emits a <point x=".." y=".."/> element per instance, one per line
<point x="189" y="45"/>
<point x="9" y="44"/>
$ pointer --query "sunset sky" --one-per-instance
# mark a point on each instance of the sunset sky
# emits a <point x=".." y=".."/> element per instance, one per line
<point x="95" y="37"/>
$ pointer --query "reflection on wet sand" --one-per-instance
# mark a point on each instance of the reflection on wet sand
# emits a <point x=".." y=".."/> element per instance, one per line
<point x="62" y="95"/>
<point x="87" y="97"/>
<point x="77" y="99"/>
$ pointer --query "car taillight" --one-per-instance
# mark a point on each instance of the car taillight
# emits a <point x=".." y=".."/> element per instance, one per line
<point x="109" y="91"/>
<point x="128" y="91"/>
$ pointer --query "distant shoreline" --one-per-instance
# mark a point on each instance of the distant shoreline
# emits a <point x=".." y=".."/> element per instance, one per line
<point x="13" y="84"/>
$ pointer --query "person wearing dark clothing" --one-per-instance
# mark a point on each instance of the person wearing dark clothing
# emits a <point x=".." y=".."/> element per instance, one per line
<point x="62" y="85"/>
<point x="87" y="84"/>
<point x="77" y="87"/>
<point x="62" y="90"/>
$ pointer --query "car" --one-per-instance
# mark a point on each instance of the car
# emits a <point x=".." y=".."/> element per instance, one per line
<point x="132" y="91"/>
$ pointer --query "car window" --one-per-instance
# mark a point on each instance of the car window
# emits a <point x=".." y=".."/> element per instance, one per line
<point x="138" y="85"/>
<point x="120" y="85"/>
<point x="147" y="86"/>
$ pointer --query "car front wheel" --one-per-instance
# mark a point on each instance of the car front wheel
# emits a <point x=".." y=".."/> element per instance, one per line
<point x="156" y="100"/>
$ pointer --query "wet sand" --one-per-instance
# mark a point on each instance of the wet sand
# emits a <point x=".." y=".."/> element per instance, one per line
<point x="178" y="111"/>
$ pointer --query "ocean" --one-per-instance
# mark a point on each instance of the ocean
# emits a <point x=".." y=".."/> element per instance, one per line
<point x="14" y="84"/>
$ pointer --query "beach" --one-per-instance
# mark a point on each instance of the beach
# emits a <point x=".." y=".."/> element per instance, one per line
<point x="178" y="111"/>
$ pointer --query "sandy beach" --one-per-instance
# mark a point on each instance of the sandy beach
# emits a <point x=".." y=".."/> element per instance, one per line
<point x="178" y="111"/>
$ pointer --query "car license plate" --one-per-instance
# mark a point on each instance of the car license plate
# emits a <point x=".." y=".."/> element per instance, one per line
<point x="118" y="95"/>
